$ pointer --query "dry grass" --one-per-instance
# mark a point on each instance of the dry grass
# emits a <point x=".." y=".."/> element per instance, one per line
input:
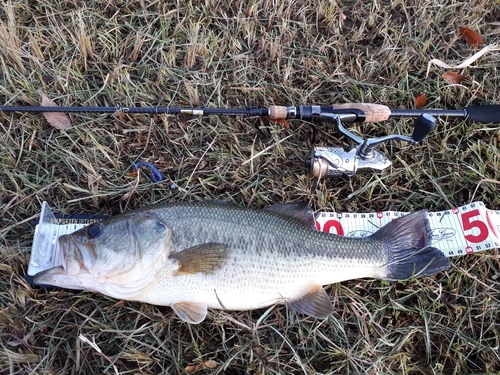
<point x="237" y="53"/>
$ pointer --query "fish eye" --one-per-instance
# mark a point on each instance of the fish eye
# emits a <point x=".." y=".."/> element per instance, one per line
<point x="93" y="231"/>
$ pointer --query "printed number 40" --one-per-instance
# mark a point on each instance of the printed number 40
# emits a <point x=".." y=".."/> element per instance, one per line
<point x="469" y="223"/>
<point x="331" y="224"/>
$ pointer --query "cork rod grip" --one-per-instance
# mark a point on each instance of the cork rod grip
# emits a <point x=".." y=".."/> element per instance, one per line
<point x="277" y="112"/>
<point x="373" y="112"/>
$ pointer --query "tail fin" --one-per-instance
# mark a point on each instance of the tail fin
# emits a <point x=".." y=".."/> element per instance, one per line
<point x="408" y="248"/>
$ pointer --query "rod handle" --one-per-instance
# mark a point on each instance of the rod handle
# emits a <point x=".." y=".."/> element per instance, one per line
<point x="484" y="114"/>
<point x="277" y="112"/>
<point x="373" y="112"/>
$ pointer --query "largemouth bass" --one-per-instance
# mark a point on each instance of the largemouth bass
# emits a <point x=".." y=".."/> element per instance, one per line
<point x="194" y="256"/>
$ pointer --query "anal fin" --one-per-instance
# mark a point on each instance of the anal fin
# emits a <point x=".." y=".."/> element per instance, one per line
<point x="191" y="312"/>
<point x="314" y="303"/>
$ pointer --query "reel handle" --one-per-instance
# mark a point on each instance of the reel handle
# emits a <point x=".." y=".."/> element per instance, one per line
<point x="423" y="126"/>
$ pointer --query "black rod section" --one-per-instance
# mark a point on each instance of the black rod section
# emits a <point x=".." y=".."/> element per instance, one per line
<point x="485" y="114"/>
<point x="151" y="110"/>
<point x="432" y="112"/>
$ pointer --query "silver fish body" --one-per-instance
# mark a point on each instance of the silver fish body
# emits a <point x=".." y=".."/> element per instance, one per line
<point x="194" y="256"/>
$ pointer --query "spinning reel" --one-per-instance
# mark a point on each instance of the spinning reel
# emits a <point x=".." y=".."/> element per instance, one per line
<point x="363" y="155"/>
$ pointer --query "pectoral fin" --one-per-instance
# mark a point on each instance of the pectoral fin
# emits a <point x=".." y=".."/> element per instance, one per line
<point x="205" y="258"/>
<point x="314" y="303"/>
<point x="191" y="312"/>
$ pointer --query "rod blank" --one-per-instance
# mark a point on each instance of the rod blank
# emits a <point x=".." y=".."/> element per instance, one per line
<point x="149" y="110"/>
<point x="485" y="114"/>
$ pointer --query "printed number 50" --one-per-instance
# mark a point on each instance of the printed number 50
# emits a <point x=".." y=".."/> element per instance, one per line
<point x="469" y="224"/>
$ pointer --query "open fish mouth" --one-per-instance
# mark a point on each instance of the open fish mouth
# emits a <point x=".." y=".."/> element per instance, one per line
<point x="51" y="277"/>
<point x="77" y="259"/>
<point x="76" y="256"/>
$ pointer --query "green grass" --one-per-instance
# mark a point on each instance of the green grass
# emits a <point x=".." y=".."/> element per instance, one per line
<point x="238" y="53"/>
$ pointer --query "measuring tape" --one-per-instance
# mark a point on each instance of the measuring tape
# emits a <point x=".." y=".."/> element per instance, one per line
<point x="463" y="230"/>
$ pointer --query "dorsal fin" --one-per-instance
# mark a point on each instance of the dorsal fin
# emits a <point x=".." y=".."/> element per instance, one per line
<point x="298" y="211"/>
<point x="222" y="202"/>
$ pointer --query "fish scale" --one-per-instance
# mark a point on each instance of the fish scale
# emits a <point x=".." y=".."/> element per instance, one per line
<point x="198" y="255"/>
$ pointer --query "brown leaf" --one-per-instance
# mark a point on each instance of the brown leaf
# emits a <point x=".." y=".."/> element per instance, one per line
<point x="210" y="364"/>
<point x="420" y="101"/>
<point x="58" y="120"/>
<point x="470" y="36"/>
<point x="47" y="79"/>
<point x="281" y="121"/>
<point x="454" y="77"/>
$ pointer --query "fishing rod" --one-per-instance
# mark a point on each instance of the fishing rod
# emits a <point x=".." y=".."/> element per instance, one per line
<point x="484" y="114"/>
<point x="320" y="161"/>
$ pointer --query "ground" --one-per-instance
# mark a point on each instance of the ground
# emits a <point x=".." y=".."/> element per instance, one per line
<point x="234" y="54"/>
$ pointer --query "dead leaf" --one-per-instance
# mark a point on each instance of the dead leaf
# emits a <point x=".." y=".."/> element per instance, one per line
<point x="48" y="79"/>
<point x="342" y="16"/>
<point x="281" y="121"/>
<point x="210" y="364"/>
<point x="471" y="37"/>
<point x="465" y="63"/>
<point x="420" y="101"/>
<point x="454" y="78"/>
<point x="58" y="120"/>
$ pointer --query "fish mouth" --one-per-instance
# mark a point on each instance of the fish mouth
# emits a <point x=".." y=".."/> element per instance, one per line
<point x="50" y="276"/>
<point x="77" y="257"/>
<point x="58" y="277"/>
